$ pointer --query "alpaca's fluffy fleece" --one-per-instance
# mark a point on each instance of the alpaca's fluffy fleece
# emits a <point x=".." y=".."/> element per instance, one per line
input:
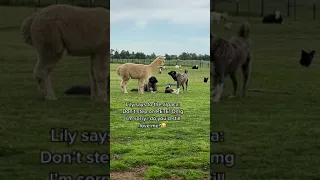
<point x="79" y="32"/>
<point x="138" y="71"/>
<point x="227" y="56"/>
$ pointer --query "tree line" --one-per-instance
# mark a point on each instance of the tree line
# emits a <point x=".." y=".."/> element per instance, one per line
<point x="125" y="54"/>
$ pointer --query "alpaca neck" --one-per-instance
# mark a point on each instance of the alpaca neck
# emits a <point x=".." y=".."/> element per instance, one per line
<point x="154" y="64"/>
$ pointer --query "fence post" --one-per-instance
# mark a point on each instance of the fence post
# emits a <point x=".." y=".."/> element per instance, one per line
<point x="249" y="9"/>
<point x="314" y="10"/>
<point x="237" y="8"/>
<point x="56" y="1"/>
<point x="213" y="5"/>
<point x="294" y="9"/>
<point x="262" y="8"/>
<point x="288" y="7"/>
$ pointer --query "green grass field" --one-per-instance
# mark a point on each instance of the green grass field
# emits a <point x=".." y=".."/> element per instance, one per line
<point x="26" y="119"/>
<point x="179" y="151"/>
<point x="274" y="136"/>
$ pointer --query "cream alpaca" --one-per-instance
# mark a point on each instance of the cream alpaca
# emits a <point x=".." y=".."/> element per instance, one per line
<point x="138" y="71"/>
<point x="79" y="32"/>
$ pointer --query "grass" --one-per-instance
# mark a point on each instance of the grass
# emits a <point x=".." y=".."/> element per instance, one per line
<point x="179" y="150"/>
<point x="273" y="136"/>
<point x="26" y="120"/>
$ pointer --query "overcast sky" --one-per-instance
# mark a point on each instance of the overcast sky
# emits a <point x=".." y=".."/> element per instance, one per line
<point x="166" y="26"/>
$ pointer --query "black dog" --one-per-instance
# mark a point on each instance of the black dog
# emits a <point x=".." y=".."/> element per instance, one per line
<point x="85" y="89"/>
<point x="170" y="90"/>
<point x="274" y="18"/>
<point x="205" y="79"/>
<point x="306" y="58"/>
<point x="195" y="67"/>
<point x="79" y="90"/>
<point x="151" y="86"/>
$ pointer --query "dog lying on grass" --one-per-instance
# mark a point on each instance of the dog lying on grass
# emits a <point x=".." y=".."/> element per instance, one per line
<point x="85" y="89"/>
<point x="151" y="86"/>
<point x="180" y="78"/>
<point x="171" y="91"/>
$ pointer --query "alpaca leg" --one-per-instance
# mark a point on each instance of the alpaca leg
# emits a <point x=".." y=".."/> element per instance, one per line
<point x="42" y="73"/>
<point x="141" y="86"/>
<point x="123" y="84"/>
<point x="99" y="66"/>
<point x="246" y="74"/>
<point x="93" y="87"/>
<point x="49" y="47"/>
<point x="219" y="89"/>
<point x="187" y="85"/>
<point x="235" y="84"/>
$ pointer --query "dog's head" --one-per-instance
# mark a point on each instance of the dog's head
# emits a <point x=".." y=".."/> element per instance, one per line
<point x="153" y="80"/>
<point x="306" y="58"/>
<point x="173" y="74"/>
<point x="205" y="79"/>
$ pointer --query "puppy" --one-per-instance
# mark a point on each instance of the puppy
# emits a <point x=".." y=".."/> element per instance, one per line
<point x="151" y="86"/>
<point x="205" y="79"/>
<point x="195" y="67"/>
<point x="171" y="91"/>
<point x="306" y="58"/>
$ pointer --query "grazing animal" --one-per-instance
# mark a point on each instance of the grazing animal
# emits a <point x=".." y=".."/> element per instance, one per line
<point x="306" y="58"/>
<point x="180" y="78"/>
<point x="205" y="79"/>
<point x="195" y="67"/>
<point x="178" y="66"/>
<point x="171" y="90"/>
<point x="151" y="86"/>
<point x="217" y="18"/>
<point x="274" y="18"/>
<point x="138" y="71"/>
<point x="227" y="57"/>
<point x="78" y="31"/>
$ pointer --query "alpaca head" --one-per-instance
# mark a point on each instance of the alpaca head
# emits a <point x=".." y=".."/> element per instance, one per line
<point x="161" y="60"/>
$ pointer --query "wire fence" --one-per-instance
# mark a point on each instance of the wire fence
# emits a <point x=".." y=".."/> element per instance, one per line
<point x="183" y="63"/>
<point x="296" y="9"/>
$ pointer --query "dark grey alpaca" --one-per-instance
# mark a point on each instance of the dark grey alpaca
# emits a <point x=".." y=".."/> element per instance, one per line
<point x="227" y="57"/>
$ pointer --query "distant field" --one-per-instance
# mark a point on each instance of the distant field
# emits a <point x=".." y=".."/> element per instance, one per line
<point x="274" y="136"/>
<point x="183" y="63"/>
<point x="179" y="151"/>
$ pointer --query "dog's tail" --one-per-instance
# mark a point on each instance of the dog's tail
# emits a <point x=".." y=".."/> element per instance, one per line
<point x="78" y="90"/>
<point x="244" y="30"/>
<point x="26" y="28"/>
<point x="186" y="71"/>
